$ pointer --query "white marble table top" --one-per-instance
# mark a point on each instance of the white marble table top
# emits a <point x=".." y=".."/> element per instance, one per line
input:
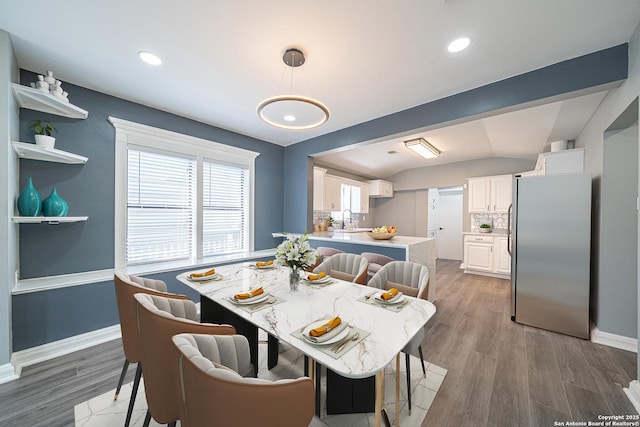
<point x="390" y="331"/>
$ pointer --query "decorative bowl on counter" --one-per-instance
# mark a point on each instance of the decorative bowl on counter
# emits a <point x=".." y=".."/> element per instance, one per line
<point x="381" y="236"/>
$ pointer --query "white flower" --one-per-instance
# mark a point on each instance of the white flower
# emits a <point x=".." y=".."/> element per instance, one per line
<point x="296" y="252"/>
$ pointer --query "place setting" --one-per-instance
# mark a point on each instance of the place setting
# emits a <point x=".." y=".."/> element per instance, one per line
<point x="254" y="300"/>
<point x="320" y="279"/>
<point x="204" y="276"/>
<point x="262" y="265"/>
<point x="331" y="335"/>
<point x="392" y="299"/>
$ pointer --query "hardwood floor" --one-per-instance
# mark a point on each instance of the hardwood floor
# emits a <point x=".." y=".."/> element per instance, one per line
<point x="505" y="374"/>
<point x="500" y="373"/>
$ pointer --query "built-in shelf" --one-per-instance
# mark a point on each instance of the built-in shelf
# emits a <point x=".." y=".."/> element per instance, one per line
<point x="38" y="100"/>
<point x="47" y="219"/>
<point x="38" y="152"/>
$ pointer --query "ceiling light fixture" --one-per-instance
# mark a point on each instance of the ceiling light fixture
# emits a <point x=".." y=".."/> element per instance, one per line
<point x="459" y="44"/>
<point x="293" y="112"/>
<point x="422" y="147"/>
<point x="149" y="58"/>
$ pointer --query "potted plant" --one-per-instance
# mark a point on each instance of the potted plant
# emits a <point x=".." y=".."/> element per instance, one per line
<point x="44" y="131"/>
<point x="485" y="228"/>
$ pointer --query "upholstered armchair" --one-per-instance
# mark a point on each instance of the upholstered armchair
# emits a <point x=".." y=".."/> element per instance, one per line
<point x="344" y="266"/>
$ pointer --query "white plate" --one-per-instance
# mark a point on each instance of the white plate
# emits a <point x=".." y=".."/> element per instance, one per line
<point x="264" y="267"/>
<point x="341" y="334"/>
<point x="395" y="300"/>
<point x="325" y="279"/>
<point x="249" y="301"/>
<point x="214" y="276"/>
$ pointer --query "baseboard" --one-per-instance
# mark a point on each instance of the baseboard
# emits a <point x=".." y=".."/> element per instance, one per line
<point x="633" y="394"/>
<point x="7" y="373"/>
<point x="613" y="340"/>
<point x="488" y="274"/>
<point x="55" y="349"/>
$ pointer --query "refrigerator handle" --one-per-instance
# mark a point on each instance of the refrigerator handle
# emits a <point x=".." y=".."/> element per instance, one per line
<point x="509" y="229"/>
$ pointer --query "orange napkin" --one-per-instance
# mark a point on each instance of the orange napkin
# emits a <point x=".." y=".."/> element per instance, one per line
<point x="206" y="273"/>
<point x="317" y="276"/>
<point x="263" y="263"/>
<point x="390" y="294"/>
<point x="249" y="294"/>
<point x="321" y="330"/>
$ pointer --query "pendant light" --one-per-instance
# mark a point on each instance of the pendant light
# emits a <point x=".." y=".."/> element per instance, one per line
<point x="293" y="112"/>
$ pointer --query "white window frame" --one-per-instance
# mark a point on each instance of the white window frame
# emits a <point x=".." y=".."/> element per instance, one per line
<point x="141" y="136"/>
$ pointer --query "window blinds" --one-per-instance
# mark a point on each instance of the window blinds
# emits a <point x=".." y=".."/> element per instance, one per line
<point x="160" y="207"/>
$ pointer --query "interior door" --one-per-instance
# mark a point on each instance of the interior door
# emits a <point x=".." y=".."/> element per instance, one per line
<point x="450" y="219"/>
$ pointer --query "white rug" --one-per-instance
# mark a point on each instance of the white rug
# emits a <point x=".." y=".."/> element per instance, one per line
<point x="103" y="411"/>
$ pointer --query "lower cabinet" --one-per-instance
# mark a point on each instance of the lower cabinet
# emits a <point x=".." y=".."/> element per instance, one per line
<point x="487" y="255"/>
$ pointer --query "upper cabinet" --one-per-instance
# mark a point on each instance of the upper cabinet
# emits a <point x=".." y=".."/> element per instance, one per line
<point x="379" y="188"/>
<point x="318" y="188"/>
<point x="490" y="194"/>
<point x="332" y="193"/>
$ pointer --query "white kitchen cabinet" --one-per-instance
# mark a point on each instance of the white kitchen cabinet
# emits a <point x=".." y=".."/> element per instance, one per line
<point x="478" y="253"/>
<point x="332" y="193"/>
<point x="318" y="188"/>
<point x="490" y="194"/>
<point x="487" y="255"/>
<point x="502" y="259"/>
<point x="364" y="197"/>
<point x="380" y="188"/>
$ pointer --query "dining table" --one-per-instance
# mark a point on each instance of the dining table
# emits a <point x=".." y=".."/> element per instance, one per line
<point x="372" y="335"/>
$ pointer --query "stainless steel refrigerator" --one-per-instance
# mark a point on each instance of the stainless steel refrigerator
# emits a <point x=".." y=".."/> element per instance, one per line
<point x="551" y="251"/>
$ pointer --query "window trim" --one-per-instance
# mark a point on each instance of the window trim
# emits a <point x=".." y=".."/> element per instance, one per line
<point x="136" y="134"/>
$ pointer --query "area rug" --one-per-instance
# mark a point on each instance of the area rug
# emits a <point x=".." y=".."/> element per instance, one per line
<point x="103" y="411"/>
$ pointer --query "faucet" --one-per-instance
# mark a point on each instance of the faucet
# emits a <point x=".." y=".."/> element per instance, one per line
<point x="350" y="216"/>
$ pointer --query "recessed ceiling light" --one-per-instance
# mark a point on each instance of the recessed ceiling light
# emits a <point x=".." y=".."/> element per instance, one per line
<point x="459" y="44"/>
<point x="290" y="118"/>
<point x="149" y="58"/>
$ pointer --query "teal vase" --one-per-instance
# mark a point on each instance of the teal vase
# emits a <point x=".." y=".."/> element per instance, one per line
<point x="54" y="205"/>
<point x="29" y="201"/>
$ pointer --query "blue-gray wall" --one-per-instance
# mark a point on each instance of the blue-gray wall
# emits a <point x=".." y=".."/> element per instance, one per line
<point x="604" y="67"/>
<point x="46" y="250"/>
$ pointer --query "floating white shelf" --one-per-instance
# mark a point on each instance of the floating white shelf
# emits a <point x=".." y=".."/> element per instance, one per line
<point x="37" y="152"/>
<point x="48" y="219"/>
<point x="38" y="100"/>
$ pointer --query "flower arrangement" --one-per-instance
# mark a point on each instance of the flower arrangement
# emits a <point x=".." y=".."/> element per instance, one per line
<point x="296" y="252"/>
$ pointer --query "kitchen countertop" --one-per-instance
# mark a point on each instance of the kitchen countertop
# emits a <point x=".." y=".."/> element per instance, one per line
<point x="493" y="233"/>
<point x="362" y="238"/>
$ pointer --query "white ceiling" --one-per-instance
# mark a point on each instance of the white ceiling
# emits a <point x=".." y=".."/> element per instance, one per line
<point x="365" y="58"/>
<point x="518" y="134"/>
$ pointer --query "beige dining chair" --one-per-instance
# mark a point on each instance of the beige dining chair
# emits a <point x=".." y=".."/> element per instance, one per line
<point x="126" y="286"/>
<point x="212" y="392"/>
<point x="376" y="261"/>
<point x="344" y="266"/>
<point x="322" y="253"/>
<point x="159" y="319"/>
<point x="411" y="279"/>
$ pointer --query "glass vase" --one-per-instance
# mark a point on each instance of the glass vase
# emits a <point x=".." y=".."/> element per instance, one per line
<point x="294" y="279"/>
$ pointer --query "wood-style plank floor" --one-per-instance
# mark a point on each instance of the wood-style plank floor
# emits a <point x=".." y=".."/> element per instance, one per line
<point x="500" y="373"/>
<point x="505" y="374"/>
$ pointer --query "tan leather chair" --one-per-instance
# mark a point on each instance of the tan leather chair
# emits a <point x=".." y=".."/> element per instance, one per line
<point x="126" y="286"/>
<point x="159" y="319"/>
<point x="349" y="267"/>
<point x="212" y="393"/>
<point x="411" y="279"/>
<point x="376" y="261"/>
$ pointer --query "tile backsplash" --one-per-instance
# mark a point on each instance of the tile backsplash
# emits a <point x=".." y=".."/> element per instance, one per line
<point x="496" y="221"/>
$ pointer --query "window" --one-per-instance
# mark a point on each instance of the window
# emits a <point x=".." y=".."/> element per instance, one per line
<point x="179" y="197"/>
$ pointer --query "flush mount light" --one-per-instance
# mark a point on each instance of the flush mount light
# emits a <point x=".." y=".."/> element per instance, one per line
<point x="293" y="112"/>
<point x="149" y="58"/>
<point x="459" y="44"/>
<point x="422" y="147"/>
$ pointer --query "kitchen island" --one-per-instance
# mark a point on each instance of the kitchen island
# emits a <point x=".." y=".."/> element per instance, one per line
<point x="420" y="250"/>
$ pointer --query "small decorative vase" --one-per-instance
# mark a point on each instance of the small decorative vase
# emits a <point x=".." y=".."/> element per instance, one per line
<point x="294" y="279"/>
<point x="54" y="205"/>
<point x="29" y="201"/>
<point x="45" y="141"/>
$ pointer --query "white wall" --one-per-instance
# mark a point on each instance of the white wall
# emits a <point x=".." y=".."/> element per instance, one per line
<point x="8" y="181"/>
<point x="592" y="138"/>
